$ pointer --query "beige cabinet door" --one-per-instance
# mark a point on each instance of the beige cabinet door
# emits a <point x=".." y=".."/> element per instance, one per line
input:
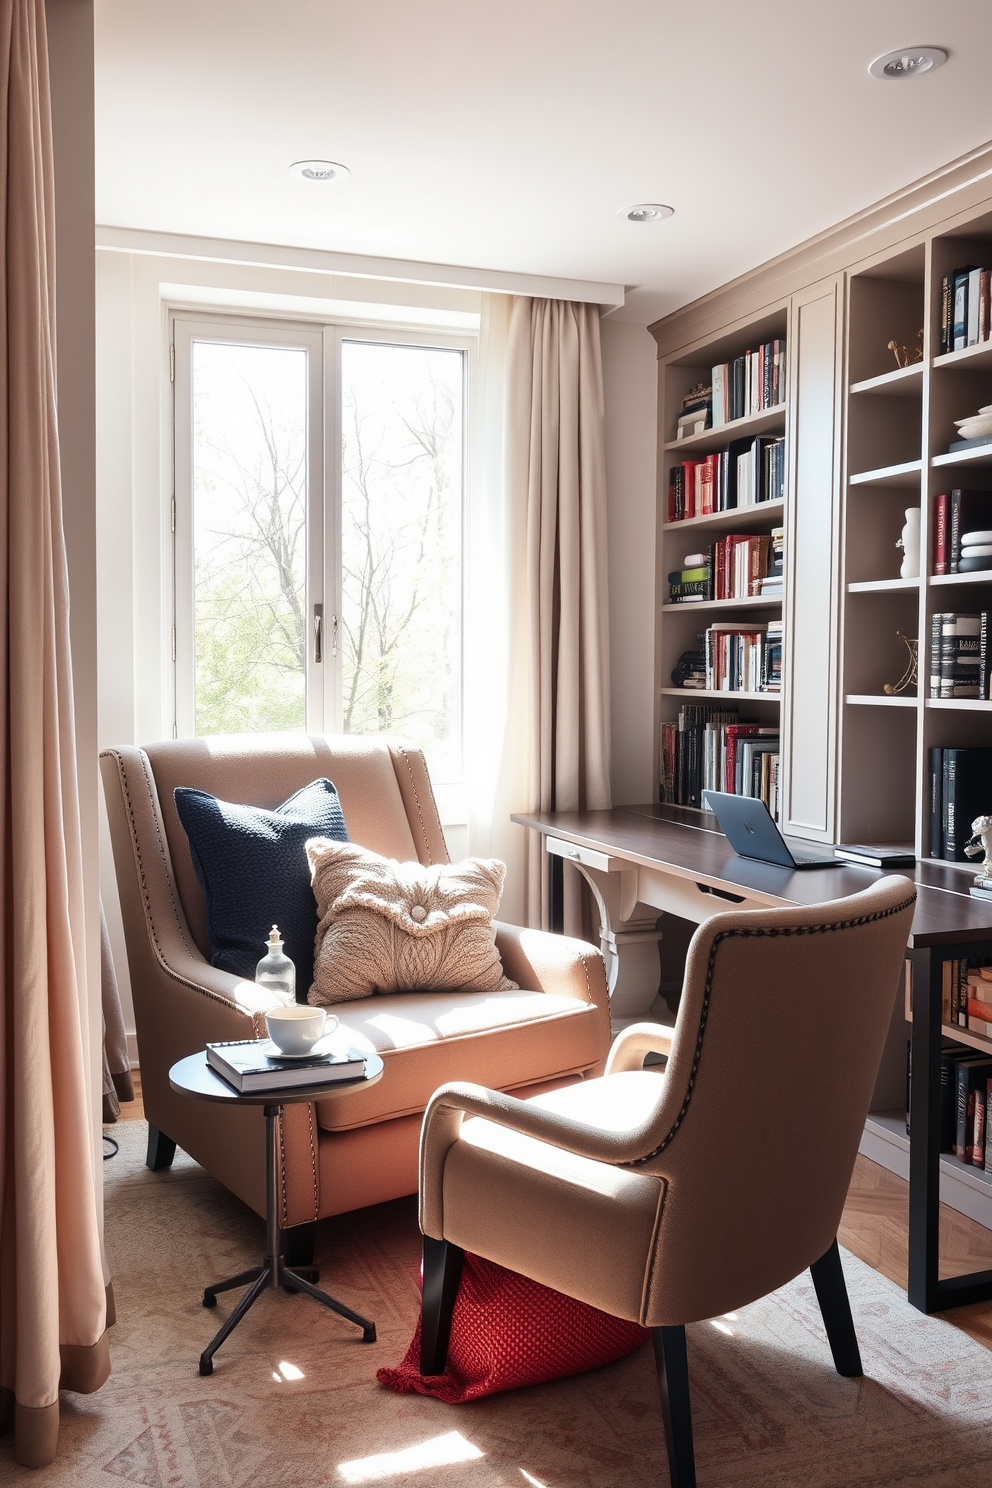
<point x="811" y="622"/>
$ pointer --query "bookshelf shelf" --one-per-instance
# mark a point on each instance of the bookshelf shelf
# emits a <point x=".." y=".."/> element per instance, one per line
<point x="879" y="700"/>
<point x="962" y="1186"/>
<point x="980" y="455"/>
<point x="889" y="475"/>
<point x="960" y="705"/>
<point x="709" y="694"/>
<point x="938" y="581"/>
<point x="738" y="516"/>
<point x="901" y="382"/>
<point x="970" y="357"/>
<point x="974" y="1041"/>
<point x="770" y="420"/>
<point x="707" y="605"/>
<point x="883" y="586"/>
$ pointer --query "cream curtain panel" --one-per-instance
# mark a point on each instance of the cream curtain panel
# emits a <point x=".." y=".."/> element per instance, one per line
<point x="556" y="455"/>
<point x="53" y="1305"/>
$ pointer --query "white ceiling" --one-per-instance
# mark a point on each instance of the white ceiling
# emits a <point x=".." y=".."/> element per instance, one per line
<point x="507" y="136"/>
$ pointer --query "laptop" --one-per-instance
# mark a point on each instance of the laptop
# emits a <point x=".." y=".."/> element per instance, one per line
<point x="752" y="832"/>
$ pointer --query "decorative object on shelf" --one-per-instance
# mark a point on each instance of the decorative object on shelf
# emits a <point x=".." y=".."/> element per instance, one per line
<point x="981" y="842"/>
<point x="696" y="410"/>
<point x="909" y="541"/>
<point x="904" y="355"/>
<point x="909" y="676"/>
<point x="974" y="430"/>
<point x="690" y="670"/>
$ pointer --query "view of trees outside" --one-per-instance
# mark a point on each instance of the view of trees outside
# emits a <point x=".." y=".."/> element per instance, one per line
<point x="249" y="536"/>
<point x="401" y="508"/>
<point x="399" y="629"/>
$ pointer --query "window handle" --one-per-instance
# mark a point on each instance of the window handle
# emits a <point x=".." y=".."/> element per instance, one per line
<point x="318" y="633"/>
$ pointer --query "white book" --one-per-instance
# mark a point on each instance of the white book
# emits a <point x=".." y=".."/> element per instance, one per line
<point x="974" y="296"/>
<point x="719" y="378"/>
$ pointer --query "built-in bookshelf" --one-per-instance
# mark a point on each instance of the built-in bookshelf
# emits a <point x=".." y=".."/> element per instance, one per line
<point x="683" y="626"/>
<point x="867" y="438"/>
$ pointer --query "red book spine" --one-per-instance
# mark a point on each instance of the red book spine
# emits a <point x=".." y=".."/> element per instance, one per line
<point x="940" y="534"/>
<point x="689" y="486"/>
<point x="719" y="569"/>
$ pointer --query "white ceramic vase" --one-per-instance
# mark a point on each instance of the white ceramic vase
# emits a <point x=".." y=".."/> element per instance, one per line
<point x="909" y="541"/>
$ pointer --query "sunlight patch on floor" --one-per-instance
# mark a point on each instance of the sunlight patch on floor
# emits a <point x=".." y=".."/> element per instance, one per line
<point x="440" y="1451"/>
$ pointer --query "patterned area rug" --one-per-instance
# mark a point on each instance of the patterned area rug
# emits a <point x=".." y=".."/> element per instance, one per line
<point x="293" y="1401"/>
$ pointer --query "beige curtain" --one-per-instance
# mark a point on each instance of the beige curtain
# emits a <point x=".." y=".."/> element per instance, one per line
<point x="53" y="1305"/>
<point x="555" y="453"/>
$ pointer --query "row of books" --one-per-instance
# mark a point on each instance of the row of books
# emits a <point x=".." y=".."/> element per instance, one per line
<point x="742" y="565"/>
<point x="747" y="472"/>
<point x="960" y="654"/>
<point x="744" y="657"/>
<point x="964" y="308"/>
<point x="709" y="748"/>
<point x="962" y="532"/>
<point x="965" y="1102"/>
<point x="960" y="791"/>
<point x="749" y="384"/>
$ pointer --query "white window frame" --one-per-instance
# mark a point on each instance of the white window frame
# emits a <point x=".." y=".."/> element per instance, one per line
<point x="323" y="340"/>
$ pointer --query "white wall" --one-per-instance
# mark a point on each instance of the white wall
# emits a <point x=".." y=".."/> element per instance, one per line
<point x="630" y="375"/>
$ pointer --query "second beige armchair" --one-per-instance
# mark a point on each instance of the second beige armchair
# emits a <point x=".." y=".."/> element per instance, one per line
<point x="667" y="1198"/>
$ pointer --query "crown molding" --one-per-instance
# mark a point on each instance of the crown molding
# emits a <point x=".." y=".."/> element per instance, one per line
<point x="354" y="265"/>
<point x="920" y="207"/>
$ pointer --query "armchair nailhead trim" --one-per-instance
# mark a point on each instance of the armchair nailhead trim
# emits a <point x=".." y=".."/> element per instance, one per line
<point x="416" y="798"/>
<point x="745" y="933"/>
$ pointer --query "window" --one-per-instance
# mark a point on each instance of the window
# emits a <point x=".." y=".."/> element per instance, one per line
<point x="320" y="480"/>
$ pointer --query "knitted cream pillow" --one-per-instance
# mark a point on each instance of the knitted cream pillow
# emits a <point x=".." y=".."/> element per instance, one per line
<point x="400" y="927"/>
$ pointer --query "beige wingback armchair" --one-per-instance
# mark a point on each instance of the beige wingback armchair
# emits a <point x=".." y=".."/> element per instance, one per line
<point x="362" y="1148"/>
<point x="671" y="1197"/>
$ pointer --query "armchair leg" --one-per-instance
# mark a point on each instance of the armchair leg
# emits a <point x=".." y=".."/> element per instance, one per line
<point x="673" y="1382"/>
<point x="161" y="1150"/>
<point x="831" y="1293"/>
<point x="442" y="1275"/>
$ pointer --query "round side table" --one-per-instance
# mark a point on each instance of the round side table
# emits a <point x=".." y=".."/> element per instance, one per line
<point x="193" y="1076"/>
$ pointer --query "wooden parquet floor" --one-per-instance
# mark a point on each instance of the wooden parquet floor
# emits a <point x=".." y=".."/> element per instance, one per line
<point x="875" y="1227"/>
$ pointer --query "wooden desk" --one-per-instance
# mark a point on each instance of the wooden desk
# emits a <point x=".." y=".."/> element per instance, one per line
<point x="667" y="858"/>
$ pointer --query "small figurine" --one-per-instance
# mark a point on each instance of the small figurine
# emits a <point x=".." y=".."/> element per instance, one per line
<point x="904" y="357"/>
<point x="981" y="842"/>
<point x="909" y="541"/>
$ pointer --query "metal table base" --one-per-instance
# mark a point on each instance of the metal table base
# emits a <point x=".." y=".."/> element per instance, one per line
<point x="273" y="1271"/>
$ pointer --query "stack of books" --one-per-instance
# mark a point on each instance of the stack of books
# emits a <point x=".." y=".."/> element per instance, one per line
<point x="694" y="580"/>
<point x="256" y="1065"/>
<point x="708" y="748"/>
<point x="695" y="415"/>
<point x="955" y="655"/>
<point x="773" y="583"/>
<point x="749" y="384"/>
<point x="746" y="473"/>
<point x="737" y="657"/>
<point x="964" y="308"/>
<point x="740" y="564"/>
<point x="961" y="522"/>
<point x="960" y="791"/>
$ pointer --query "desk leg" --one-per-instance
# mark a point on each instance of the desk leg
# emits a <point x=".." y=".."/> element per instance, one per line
<point x="629" y="939"/>
<point x="924" y="1134"/>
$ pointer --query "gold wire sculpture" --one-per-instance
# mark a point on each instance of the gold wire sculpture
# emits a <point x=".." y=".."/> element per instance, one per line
<point x="909" y="676"/>
<point x="903" y="355"/>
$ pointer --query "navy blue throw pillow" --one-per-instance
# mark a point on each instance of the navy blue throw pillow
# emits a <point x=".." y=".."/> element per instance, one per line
<point x="253" y="870"/>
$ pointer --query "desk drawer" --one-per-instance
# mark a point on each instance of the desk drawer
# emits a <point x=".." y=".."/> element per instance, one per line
<point x="587" y="856"/>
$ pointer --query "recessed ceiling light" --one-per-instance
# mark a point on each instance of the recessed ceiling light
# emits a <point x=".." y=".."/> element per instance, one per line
<point x="319" y="170"/>
<point x="907" y="62"/>
<point x="646" y="212"/>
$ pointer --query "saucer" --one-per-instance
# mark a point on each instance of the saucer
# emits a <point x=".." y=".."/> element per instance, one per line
<point x="316" y="1051"/>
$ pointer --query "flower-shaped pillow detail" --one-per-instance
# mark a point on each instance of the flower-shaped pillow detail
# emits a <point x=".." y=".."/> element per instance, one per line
<point x="402" y="927"/>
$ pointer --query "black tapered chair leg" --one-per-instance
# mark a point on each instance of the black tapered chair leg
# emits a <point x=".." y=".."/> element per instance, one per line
<point x="161" y="1150"/>
<point x="831" y="1293"/>
<point x="673" y="1383"/>
<point x="298" y="1244"/>
<point x="442" y="1275"/>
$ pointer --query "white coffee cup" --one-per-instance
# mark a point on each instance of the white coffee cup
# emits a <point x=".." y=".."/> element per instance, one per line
<point x="295" y="1030"/>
